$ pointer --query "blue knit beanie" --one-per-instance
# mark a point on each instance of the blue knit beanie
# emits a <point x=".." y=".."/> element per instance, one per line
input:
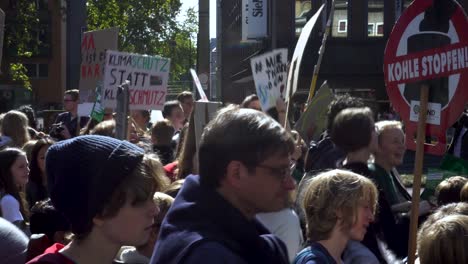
<point x="84" y="171"/>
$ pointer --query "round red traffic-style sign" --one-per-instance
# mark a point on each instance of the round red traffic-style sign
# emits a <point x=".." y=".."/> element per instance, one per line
<point x="428" y="45"/>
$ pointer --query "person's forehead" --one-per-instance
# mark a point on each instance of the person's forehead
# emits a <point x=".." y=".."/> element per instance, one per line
<point x="187" y="100"/>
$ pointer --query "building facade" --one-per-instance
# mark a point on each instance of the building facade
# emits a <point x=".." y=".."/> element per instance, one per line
<point x="234" y="76"/>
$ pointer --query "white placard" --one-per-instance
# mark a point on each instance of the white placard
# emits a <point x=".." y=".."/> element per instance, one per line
<point x="433" y="112"/>
<point x="148" y="76"/>
<point x="269" y="71"/>
<point x="199" y="86"/>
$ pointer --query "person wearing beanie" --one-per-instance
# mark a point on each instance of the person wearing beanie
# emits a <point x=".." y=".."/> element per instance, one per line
<point x="104" y="188"/>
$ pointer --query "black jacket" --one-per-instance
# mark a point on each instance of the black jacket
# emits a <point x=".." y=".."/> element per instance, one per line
<point x="202" y="227"/>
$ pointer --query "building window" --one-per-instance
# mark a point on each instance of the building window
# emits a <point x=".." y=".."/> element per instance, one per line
<point x="375" y="17"/>
<point x="37" y="70"/>
<point x="342" y="26"/>
<point x="340" y="19"/>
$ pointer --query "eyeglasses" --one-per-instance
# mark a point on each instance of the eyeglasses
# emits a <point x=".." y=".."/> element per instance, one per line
<point x="281" y="173"/>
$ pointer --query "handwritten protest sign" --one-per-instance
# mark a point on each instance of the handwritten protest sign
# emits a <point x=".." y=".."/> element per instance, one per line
<point x="270" y="72"/>
<point x="93" y="57"/>
<point x="148" y="76"/>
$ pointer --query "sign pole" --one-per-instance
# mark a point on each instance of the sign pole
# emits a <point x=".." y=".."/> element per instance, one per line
<point x="121" y="126"/>
<point x="420" y="139"/>
<point x="313" y="83"/>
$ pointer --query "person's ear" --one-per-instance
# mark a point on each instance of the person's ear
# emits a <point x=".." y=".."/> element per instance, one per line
<point x="98" y="221"/>
<point x="234" y="171"/>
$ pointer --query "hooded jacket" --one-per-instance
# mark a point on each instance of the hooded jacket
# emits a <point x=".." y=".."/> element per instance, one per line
<point x="202" y="227"/>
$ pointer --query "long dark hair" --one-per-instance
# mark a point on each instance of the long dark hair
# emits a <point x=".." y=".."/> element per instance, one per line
<point x="8" y="156"/>
<point x="35" y="173"/>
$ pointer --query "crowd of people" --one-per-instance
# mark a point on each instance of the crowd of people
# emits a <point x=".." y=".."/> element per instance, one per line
<point x="251" y="190"/>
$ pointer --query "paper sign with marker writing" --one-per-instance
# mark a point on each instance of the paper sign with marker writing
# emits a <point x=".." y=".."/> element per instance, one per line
<point x="148" y="77"/>
<point x="269" y="71"/>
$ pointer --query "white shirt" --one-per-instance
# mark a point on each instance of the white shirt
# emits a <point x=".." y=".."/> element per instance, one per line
<point x="284" y="224"/>
<point x="10" y="209"/>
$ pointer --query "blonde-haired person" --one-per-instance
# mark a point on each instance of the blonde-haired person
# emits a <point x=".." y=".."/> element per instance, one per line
<point x="445" y="241"/>
<point x="339" y="206"/>
<point x="464" y="193"/>
<point x="15" y="126"/>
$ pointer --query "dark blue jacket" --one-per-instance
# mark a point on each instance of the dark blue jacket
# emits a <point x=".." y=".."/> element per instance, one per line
<point x="202" y="227"/>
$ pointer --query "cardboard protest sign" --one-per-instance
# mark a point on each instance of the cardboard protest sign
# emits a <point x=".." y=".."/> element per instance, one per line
<point x="2" y="30"/>
<point x="202" y="94"/>
<point x="203" y="113"/>
<point x="314" y="119"/>
<point x="93" y="57"/>
<point x="147" y="76"/>
<point x="296" y="61"/>
<point x="269" y="73"/>
<point x="428" y="45"/>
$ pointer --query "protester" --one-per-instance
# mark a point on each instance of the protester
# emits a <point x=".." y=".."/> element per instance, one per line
<point x="142" y="254"/>
<point x="161" y="138"/>
<point x="449" y="190"/>
<point x="186" y="100"/>
<point x="45" y="219"/>
<point x="70" y="122"/>
<point x="14" y="174"/>
<point x="464" y="193"/>
<point x="36" y="188"/>
<point x="15" y="126"/>
<point x="101" y="185"/>
<point x="339" y="206"/>
<point x="251" y="102"/>
<point x="174" y="113"/>
<point x="459" y="145"/>
<point x="187" y="158"/>
<point x="28" y="147"/>
<point x="13" y="243"/>
<point x="392" y="225"/>
<point x="142" y="119"/>
<point x="444" y="241"/>
<point x="323" y="155"/>
<point x="353" y="131"/>
<point x="244" y="166"/>
<point x="32" y="122"/>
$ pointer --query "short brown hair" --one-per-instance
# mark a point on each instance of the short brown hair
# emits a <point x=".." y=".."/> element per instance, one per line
<point x="162" y="132"/>
<point x="74" y="93"/>
<point x="184" y="95"/>
<point x="105" y="128"/>
<point x="444" y="241"/>
<point x="448" y="191"/>
<point x="352" y="129"/>
<point x="331" y="191"/>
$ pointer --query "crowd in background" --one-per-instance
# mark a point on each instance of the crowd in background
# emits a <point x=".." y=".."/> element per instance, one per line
<point x="79" y="195"/>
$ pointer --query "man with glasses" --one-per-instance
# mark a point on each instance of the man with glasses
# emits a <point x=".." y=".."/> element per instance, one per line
<point x="70" y="122"/>
<point x="245" y="169"/>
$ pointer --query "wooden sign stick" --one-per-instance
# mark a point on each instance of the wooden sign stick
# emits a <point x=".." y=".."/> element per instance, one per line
<point x="420" y="139"/>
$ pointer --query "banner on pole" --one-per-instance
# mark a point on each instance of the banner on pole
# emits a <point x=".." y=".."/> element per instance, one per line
<point x="147" y="76"/>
